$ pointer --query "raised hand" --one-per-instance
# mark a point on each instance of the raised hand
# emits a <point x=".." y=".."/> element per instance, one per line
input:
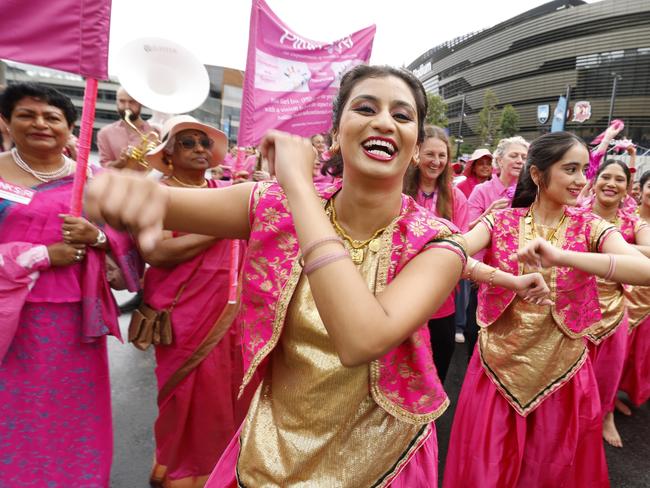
<point x="539" y="253"/>
<point x="290" y="159"/>
<point x="126" y="200"/>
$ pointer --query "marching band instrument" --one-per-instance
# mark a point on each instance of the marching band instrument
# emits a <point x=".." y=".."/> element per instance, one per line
<point x="165" y="77"/>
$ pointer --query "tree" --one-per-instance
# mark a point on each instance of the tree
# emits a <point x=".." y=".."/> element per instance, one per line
<point x="508" y="122"/>
<point x="437" y="112"/>
<point x="487" y="118"/>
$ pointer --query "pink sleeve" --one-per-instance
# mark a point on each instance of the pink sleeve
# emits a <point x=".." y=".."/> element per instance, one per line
<point x="461" y="213"/>
<point x="105" y="151"/>
<point x="475" y="204"/>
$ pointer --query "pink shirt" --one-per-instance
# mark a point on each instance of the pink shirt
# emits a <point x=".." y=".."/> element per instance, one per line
<point x="481" y="198"/>
<point x="115" y="137"/>
<point x="460" y="219"/>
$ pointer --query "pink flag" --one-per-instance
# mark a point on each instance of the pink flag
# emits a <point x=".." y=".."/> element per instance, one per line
<point x="70" y="35"/>
<point x="291" y="81"/>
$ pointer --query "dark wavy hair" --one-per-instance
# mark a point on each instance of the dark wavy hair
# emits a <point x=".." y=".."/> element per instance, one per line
<point x="334" y="166"/>
<point x="609" y="162"/>
<point x="644" y="179"/>
<point x="445" y="200"/>
<point x="543" y="153"/>
<point x="15" y="93"/>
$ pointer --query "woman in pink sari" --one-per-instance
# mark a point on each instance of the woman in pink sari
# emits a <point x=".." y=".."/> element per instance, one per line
<point x="529" y="413"/>
<point x="55" y="403"/>
<point x="341" y="342"/>
<point x="200" y="372"/>
<point x="608" y="338"/>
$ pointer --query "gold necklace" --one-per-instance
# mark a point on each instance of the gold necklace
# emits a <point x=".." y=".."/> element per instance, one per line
<point x="557" y="227"/>
<point x="187" y="185"/>
<point x="357" y="252"/>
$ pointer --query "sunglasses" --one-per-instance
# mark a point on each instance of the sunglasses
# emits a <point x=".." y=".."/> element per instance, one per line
<point x="190" y="143"/>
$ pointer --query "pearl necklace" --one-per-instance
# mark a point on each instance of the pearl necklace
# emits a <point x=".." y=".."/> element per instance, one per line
<point x="43" y="176"/>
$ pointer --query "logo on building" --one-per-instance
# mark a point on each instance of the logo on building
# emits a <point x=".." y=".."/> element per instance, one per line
<point x="543" y="112"/>
<point x="581" y="111"/>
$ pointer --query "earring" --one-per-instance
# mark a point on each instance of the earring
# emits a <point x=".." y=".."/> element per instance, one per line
<point x="334" y="148"/>
<point x="415" y="161"/>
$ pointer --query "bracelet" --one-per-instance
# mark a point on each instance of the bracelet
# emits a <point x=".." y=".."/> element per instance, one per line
<point x="316" y="244"/>
<point x="612" y="267"/>
<point x="491" y="280"/>
<point x="471" y="270"/>
<point x="321" y="261"/>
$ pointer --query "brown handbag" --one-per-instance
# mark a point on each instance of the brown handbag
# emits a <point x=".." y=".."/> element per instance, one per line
<point x="150" y="326"/>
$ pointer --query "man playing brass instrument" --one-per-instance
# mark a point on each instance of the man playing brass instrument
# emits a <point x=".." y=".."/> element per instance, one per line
<point x="118" y="142"/>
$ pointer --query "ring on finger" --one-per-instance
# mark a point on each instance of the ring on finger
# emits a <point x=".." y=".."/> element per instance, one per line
<point x="78" y="257"/>
<point x="66" y="232"/>
<point x="80" y="253"/>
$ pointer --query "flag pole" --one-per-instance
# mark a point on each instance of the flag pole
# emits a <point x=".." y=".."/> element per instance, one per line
<point x="83" y="146"/>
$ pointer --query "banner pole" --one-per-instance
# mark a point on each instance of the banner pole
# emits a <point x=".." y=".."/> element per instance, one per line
<point x="83" y="146"/>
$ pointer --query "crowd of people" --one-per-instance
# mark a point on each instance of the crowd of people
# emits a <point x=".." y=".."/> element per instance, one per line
<point x="363" y="256"/>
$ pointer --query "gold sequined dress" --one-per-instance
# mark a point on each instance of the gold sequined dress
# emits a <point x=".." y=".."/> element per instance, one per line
<point x="312" y="421"/>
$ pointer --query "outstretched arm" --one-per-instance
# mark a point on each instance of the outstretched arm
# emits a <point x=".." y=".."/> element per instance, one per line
<point x="629" y="265"/>
<point x="129" y="200"/>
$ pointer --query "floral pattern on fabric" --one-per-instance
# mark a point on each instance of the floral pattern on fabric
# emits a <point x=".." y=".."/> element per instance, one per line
<point x="403" y="382"/>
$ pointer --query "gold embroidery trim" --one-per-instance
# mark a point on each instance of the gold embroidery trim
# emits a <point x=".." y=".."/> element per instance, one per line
<point x="396" y="469"/>
<point x="553" y="386"/>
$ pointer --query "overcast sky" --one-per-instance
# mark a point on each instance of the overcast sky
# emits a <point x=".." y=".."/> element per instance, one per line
<point x="217" y="30"/>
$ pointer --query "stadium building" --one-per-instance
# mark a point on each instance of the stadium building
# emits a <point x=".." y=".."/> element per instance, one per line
<point x="594" y="49"/>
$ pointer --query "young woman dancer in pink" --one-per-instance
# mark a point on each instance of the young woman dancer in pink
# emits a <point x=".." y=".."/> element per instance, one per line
<point x="336" y="291"/>
<point x="529" y="412"/>
<point x="608" y="338"/>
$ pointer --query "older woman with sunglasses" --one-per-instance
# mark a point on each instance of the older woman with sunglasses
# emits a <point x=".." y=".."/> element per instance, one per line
<point x="199" y="372"/>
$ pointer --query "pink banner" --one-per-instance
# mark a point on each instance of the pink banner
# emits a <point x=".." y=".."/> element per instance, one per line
<point x="291" y="81"/>
<point x="70" y="35"/>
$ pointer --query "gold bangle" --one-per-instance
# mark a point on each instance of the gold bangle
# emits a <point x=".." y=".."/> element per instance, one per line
<point x="470" y="271"/>
<point x="491" y="280"/>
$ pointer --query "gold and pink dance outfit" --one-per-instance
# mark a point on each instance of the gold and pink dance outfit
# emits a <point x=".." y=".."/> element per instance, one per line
<point x="313" y="421"/>
<point x="529" y="412"/>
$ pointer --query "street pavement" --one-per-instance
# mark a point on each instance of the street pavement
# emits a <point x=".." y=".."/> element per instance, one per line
<point x="134" y="411"/>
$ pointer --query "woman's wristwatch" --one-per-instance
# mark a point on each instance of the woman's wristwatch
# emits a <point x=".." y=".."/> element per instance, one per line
<point x="101" y="238"/>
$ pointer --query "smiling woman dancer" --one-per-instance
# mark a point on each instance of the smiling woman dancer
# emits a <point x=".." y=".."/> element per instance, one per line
<point x="337" y="289"/>
<point x="529" y="413"/>
<point x="608" y="339"/>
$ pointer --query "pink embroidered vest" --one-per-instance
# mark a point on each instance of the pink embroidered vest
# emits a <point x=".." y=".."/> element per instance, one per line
<point x="574" y="293"/>
<point x="404" y="382"/>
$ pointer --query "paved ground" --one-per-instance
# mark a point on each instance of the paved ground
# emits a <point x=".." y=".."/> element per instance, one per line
<point x="134" y="410"/>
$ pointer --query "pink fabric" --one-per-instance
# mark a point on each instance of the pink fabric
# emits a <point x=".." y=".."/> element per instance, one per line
<point x="290" y="81"/>
<point x="39" y="223"/>
<point x="467" y="185"/>
<point x="460" y="219"/>
<point x="635" y="380"/>
<point x="406" y="380"/>
<point x="114" y="138"/>
<point x="559" y="445"/>
<point x="481" y="198"/>
<point x="608" y="359"/>
<point x="70" y="35"/>
<point x="576" y="305"/>
<point x="421" y="471"/>
<point x="55" y="403"/>
<point x="19" y="268"/>
<point x="198" y="419"/>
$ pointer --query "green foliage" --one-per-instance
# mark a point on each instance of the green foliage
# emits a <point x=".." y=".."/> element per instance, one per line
<point x="508" y="122"/>
<point x="437" y="112"/>
<point x="488" y="123"/>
